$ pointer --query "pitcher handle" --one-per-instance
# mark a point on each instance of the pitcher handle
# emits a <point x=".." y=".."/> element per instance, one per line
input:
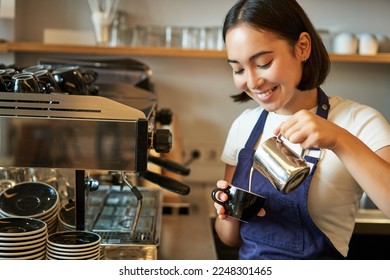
<point x="301" y="156"/>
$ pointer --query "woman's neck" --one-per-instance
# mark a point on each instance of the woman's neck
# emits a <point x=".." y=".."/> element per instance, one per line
<point x="307" y="99"/>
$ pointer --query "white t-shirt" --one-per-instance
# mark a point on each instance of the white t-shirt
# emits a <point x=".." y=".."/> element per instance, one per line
<point x="333" y="194"/>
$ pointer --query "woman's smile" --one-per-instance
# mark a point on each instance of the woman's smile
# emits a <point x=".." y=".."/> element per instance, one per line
<point x="265" y="95"/>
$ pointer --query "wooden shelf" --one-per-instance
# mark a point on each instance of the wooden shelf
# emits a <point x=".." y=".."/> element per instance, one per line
<point x="34" y="47"/>
<point x="378" y="58"/>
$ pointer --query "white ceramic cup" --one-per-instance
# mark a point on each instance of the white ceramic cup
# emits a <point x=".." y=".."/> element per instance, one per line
<point x="368" y="44"/>
<point x="345" y="43"/>
<point x="383" y="43"/>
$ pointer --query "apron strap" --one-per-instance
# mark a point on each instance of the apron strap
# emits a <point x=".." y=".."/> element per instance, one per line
<point x="323" y="105"/>
<point x="257" y="130"/>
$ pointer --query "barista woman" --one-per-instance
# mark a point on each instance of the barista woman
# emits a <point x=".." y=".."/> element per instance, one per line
<point x="279" y="61"/>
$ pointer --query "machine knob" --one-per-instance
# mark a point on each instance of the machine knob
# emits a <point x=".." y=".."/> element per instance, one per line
<point x="161" y="141"/>
<point x="91" y="184"/>
<point x="164" y="116"/>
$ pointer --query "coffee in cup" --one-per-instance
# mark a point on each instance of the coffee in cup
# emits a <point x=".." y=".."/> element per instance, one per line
<point x="241" y="204"/>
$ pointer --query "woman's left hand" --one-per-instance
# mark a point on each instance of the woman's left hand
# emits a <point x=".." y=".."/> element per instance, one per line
<point x="309" y="130"/>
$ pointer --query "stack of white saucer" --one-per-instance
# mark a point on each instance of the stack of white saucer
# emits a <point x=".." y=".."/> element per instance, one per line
<point x="73" y="245"/>
<point x="31" y="200"/>
<point x="22" y="239"/>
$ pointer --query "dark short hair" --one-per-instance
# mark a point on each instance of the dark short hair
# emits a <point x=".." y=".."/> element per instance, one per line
<point x="287" y="20"/>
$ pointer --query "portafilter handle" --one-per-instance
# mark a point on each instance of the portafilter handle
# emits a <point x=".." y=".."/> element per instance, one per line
<point x="170" y="165"/>
<point x="165" y="182"/>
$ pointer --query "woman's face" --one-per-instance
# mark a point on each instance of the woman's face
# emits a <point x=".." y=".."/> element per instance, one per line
<point x="266" y="68"/>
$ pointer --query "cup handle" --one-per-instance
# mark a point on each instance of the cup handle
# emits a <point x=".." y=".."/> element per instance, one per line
<point x="8" y="85"/>
<point x="89" y="76"/>
<point x="214" y="193"/>
<point x="42" y="86"/>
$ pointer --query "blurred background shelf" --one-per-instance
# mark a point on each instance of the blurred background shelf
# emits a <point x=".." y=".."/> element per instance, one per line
<point x="36" y="47"/>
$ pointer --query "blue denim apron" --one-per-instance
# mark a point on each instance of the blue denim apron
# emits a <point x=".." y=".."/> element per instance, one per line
<point x="287" y="230"/>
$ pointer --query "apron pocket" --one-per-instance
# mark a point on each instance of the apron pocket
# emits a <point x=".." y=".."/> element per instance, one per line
<point x="280" y="228"/>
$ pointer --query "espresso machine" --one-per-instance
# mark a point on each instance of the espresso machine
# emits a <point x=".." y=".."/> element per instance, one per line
<point x="105" y="140"/>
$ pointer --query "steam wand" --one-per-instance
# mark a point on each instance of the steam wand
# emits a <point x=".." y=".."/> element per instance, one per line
<point x="139" y="197"/>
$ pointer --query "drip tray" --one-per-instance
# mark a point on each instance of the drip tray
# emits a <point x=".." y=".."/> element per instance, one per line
<point x="114" y="222"/>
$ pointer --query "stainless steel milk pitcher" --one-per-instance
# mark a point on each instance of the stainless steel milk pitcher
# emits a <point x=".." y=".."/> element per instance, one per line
<point x="285" y="169"/>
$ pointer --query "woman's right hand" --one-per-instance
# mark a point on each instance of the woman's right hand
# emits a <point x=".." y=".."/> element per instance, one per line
<point x="221" y="196"/>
